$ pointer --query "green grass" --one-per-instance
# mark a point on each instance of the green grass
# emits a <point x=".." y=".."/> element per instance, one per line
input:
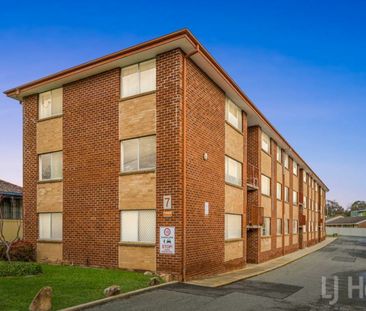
<point x="71" y="285"/>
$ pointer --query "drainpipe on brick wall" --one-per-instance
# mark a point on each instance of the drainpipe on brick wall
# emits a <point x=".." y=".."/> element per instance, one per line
<point x="184" y="162"/>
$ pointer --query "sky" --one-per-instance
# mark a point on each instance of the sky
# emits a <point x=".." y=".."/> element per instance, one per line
<point x="302" y="63"/>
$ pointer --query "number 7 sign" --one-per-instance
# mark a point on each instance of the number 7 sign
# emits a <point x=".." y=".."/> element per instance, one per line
<point x="167" y="201"/>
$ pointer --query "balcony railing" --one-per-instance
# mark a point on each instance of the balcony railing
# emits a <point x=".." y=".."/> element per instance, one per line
<point x="256" y="217"/>
<point x="253" y="177"/>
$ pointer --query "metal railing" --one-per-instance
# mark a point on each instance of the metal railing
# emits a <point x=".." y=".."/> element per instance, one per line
<point x="252" y="176"/>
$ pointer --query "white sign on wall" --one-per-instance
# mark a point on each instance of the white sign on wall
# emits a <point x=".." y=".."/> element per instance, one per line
<point x="167" y="201"/>
<point x="167" y="240"/>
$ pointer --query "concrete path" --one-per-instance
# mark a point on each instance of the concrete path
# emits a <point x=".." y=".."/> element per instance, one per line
<point x="255" y="269"/>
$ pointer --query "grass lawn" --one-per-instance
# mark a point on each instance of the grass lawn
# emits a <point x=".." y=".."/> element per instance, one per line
<point x="71" y="285"/>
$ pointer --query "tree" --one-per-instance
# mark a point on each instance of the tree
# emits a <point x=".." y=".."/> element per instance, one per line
<point x="334" y="208"/>
<point x="358" y="205"/>
<point x="3" y="241"/>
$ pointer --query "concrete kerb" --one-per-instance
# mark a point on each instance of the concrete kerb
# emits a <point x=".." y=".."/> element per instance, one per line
<point x="112" y="298"/>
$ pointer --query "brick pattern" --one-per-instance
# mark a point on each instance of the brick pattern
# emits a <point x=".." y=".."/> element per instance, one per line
<point x="169" y="153"/>
<point x="50" y="197"/>
<point x="30" y="168"/>
<point x="91" y="168"/>
<point x="49" y="135"/>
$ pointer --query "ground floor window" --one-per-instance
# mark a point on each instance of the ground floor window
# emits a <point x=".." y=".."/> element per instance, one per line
<point x="138" y="226"/>
<point x="233" y="224"/>
<point x="50" y="226"/>
<point x="266" y="229"/>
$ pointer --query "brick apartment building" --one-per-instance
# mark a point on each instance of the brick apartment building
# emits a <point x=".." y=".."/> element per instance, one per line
<point x="152" y="158"/>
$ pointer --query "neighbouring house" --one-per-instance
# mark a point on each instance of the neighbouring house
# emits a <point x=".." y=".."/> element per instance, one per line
<point x="153" y="158"/>
<point x="361" y="212"/>
<point x="347" y="222"/>
<point x="11" y="209"/>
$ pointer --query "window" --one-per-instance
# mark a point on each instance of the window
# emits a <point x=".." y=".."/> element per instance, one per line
<point x="316" y="187"/>
<point x="287" y="225"/>
<point x="266" y="229"/>
<point x="294" y="168"/>
<point x="233" y="225"/>
<point x="279" y="226"/>
<point x="279" y="191"/>
<point x="316" y="206"/>
<point x="266" y="185"/>
<point x="50" y="103"/>
<point x="304" y="228"/>
<point x="285" y="160"/>
<point x="50" y="166"/>
<point x="304" y="176"/>
<point x="286" y="194"/>
<point x="279" y="154"/>
<point x="294" y="197"/>
<point x="139" y="78"/>
<point x="50" y="226"/>
<point x="138" y="154"/>
<point x="233" y="115"/>
<point x="266" y="143"/>
<point x="304" y="202"/>
<point x="295" y="226"/>
<point x="233" y="170"/>
<point x="316" y="228"/>
<point x="138" y="226"/>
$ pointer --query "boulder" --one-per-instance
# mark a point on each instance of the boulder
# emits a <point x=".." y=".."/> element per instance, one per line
<point x="112" y="291"/>
<point x="42" y="301"/>
<point x="154" y="281"/>
<point x="148" y="273"/>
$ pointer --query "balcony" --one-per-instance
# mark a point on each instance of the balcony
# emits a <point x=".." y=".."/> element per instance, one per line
<point x="252" y="177"/>
<point x="255" y="218"/>
<point x="302" y="220"/>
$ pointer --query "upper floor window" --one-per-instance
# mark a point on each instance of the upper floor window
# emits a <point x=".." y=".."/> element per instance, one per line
<point x="304" y="176"/>
<point x="233" y="115"/>
<point x="294" y="168"/>
<point x="286" y="194"/>
<point x="50" y="166"/>
<point x="50" y="103"/>
<point x="266" y="142"/>
<point x="279" y="154"/>
<point x="294" y="197"/>
<point x="233" y="171"/>
<point x="279" y="226"/>
<point x="266" y="185"/>
<point x="304" y="202"/>
<point x="279" y="191"/>
<point x="233" y="224"/>
<point x="139" y="78"/>
<point x="285" y="160"/>
<point x="138" y="154"/>
<point x="287" y="226"/>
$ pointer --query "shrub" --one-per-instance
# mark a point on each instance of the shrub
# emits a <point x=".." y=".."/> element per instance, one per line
<point x="20" y="251"/>
<point x="19" y="268"/>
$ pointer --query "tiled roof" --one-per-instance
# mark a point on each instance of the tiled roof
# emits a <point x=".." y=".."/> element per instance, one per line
<point x="347" y="220"/>
<point x="6" y="187"/>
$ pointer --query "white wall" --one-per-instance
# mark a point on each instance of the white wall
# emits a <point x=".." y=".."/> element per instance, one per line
<point x="346" y="231"/>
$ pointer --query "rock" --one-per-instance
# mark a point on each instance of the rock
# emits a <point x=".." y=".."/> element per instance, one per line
<point x="112" y="291"/>
<point x="148" y="273"/>
<point x="166" y="277"/>
<point x="42" y="301"/>
<point x="154" y="281"/>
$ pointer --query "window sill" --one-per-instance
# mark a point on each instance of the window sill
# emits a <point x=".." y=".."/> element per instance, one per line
<point x="233" y="185"/>
<point x="265" y="236"/>
<point x="49" y="181"/>
<point x="122" y="99"/>
<point x="234" y="128"/>
<point x="266" y="195"/>
<point x="51" y="117"/>
<point x="138" y="172"/>
<point x="267" y="153"/>
<point x="49" y="241"/>
<point x="140" y="244"/>
<point x="233" y="240"/>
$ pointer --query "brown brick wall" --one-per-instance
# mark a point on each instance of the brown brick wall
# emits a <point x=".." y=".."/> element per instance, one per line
<point x="205" y="179"/>
<point x="30" y="168"/>
<point x="169" y="93"/>
<point x="91" y="169"/>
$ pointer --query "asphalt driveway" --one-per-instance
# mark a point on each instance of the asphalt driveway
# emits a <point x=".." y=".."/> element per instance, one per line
<point x="297" y="286"/>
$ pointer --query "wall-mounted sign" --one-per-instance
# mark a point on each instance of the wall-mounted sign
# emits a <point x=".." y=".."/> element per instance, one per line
<point x="167" y="201"/>
<point x="167" y="240"/>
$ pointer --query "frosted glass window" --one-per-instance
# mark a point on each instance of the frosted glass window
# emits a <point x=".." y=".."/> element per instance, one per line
<point x="279" y="154"/>
<point x="147" y="76"/>
<point x="233" y="115"/>
<point x="266" y="143"/>
<point x="50" y="226"/>
<point x="294" y="168"/>
<point x="294" y="197"/>
<point x="285" y="160"/>
<point x="279" y="191"/>
<point x="286" y="194"/>
<point x="138" y="226"/>
<point x="266" y="185"/>
<point x="287" y="226"/>
<point x="279" y="226"/>
<point x="50" y="166"/>
<point x="50" y="103"/>
<point x="233" y="225"/>
<point x="233" y="171"/>
<point x="266" y="229"/>
<point x="295" y="227"/>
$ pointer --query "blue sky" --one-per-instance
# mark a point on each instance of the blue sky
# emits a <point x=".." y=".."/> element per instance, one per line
<point x="302" y="62"/>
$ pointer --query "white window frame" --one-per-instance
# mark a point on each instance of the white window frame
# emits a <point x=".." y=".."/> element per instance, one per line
<point x="52" y="94"/>
<point x="135" y="215"/>
<point x="266" y="229"/>
<point x="139" y="141"/>
<point x="52" y="219"/>
<point x="295" y="199"/>
<point x="285" y="160"/>
<point x="279" y="154"/>
<point x="235" y="121"/>
<point x="40" y="166"/>
<point x="235" y="180"/>
<point x="279" y="191"/>
<point x="265" y="188"/>
<point x="266" y="143"/>
<point x="235" y="232"/>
